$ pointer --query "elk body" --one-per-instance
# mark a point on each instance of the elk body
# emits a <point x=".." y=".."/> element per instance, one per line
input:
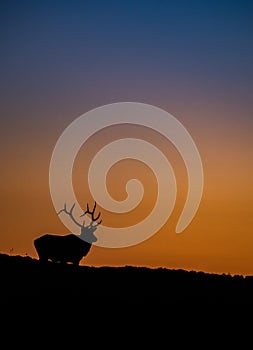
<point x="71" y="247"/>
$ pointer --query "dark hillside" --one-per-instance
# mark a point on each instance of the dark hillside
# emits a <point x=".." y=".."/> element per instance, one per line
<point x="23" y="277"/>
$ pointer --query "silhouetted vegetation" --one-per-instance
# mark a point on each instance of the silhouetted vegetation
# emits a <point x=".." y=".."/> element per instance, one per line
<point x="25" y="276"/>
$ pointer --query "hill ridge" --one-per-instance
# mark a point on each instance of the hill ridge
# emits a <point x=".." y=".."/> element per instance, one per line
<point x="24" y="276"/>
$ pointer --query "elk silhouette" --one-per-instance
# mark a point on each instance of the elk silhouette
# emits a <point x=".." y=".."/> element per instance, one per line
<point x="70" y="248"/>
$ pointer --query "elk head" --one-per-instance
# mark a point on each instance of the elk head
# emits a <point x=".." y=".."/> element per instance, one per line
<point x="87" y="232"/>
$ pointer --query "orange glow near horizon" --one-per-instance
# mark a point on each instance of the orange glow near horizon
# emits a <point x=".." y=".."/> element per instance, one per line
<point x="219" y="238"/>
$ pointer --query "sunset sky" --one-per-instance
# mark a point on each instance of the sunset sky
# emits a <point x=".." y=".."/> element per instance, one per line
<point x="193" y="59"/>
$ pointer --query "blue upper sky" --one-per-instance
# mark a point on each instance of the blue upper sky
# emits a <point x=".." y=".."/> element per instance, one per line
<point x="95" y="52"/>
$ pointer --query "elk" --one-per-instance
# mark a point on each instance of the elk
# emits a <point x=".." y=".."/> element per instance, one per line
<point x="70" y="248"/>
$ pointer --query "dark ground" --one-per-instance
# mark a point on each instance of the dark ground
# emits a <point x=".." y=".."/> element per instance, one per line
<point x="52" y="305"/>
<point x="23" y="277"/>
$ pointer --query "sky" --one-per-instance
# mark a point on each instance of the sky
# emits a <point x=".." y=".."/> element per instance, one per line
<point x="193" y="59"/>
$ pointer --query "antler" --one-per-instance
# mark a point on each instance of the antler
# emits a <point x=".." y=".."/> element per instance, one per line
<point x="70" y="213"/>
<point x="92" y="213"/>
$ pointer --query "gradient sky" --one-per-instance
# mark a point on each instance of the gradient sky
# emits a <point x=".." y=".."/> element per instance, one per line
<point x="60" y="59"/>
